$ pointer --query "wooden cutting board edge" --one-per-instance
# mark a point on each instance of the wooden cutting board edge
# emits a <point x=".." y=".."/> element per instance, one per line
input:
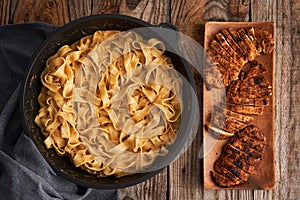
<point x="207" y="181"/>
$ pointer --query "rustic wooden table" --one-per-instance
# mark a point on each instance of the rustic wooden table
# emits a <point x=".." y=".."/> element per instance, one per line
<point x="183" y="178"/>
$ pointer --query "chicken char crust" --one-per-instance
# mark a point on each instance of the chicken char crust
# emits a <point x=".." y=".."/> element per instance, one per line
<point x="240" y="157"/>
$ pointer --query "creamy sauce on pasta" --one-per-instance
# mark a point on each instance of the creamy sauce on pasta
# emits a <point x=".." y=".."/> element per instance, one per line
<point x="111" y="102"/>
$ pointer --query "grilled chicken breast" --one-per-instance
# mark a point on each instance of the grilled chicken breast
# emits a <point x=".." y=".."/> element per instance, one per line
<point x="232" y="49"/>
<point x="239" y="158"/>
<point x="252" y="89"/>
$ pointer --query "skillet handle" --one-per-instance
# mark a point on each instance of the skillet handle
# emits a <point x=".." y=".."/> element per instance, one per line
<point x="168" y="26"/>
<point x="173" y="35"/>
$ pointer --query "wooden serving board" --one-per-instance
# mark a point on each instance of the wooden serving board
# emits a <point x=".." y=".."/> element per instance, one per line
<point x="264" y="175"/>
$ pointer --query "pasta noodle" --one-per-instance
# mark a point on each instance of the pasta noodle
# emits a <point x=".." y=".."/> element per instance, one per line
<point x="111" y="102"/>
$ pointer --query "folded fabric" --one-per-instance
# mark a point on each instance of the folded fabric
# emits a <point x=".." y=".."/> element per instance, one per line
<point x="24" y="174"/>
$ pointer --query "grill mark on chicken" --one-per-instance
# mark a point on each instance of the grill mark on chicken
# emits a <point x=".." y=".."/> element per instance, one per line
<point x="237" y="161"/>
<point x="252" y="159"/>
<point x="255" y="144"/>
<point x="233" y="169"/>
<point x="225" y="172"/>
<point x="233" y="44"/>
<point x="242" y="147"/>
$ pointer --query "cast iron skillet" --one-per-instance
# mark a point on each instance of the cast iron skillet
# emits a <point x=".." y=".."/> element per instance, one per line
<point x="32" y="87"/>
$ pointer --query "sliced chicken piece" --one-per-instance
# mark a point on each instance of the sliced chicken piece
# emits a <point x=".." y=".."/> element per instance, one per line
<point x="245" y="109"/>
<point x="233" y="169"/>
<point x="265" y="41"/>
<point x="253" y="132"/>
<point x="214" y="57"/>
<point x="251" y="34"/>
<point x="259" y="38"/>
<point x="237" y="116"/>
<point x="221" y="180"/>
<point x="252" y="93"/>
<point x="224" y="125"/>
<point x="222" y="40"/>
<point x="253" y="52"/>
<point x="247" y="101"/>
<point x="220" y="50"/>
<point x="256" y="69"/>
<point x="214" y="76"/>
<point x="243" y="92"/>
<point x="268" y="42"/>
<point x="228" y="174"/>
<point x="246" y="49"/>
<point x="233" y="44"/>
<point x="227" y="123"/>
<point x="256" y="41"/>
<point x="235" y="87"/>
<point x="218" y="133"/>
<point x="231" y="68"/>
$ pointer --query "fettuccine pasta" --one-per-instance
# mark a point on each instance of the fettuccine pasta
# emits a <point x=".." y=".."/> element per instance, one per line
<point x="111" y="102"/>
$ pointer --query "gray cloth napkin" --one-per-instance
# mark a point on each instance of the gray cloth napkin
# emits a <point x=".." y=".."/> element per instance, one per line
<point x="24" y="174"/>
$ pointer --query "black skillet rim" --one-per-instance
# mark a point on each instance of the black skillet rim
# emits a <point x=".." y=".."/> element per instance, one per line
<point x="140" y="177"/>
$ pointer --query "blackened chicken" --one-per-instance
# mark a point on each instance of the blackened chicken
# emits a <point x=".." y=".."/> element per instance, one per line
<point x="232" y="49"/>
<point x="240" y="157"/>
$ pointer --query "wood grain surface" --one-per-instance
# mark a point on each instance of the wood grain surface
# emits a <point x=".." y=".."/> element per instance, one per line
<point x="183" y="178"/>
